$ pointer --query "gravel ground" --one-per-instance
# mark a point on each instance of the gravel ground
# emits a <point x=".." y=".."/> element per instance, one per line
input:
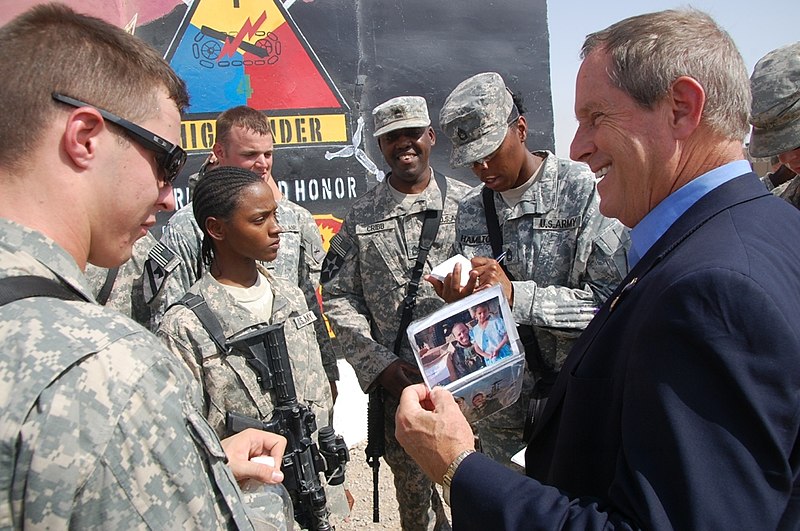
<point x="359" y="481"/>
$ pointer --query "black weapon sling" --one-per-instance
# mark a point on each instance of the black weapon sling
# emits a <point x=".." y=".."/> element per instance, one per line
<point x="25" y="286"/>
<point x="546" y="375"/>
<point x="108" y="285"/>
<point x="430" y="227"/>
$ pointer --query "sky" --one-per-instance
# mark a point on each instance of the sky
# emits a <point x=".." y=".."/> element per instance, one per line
<point x="756" y="27"/>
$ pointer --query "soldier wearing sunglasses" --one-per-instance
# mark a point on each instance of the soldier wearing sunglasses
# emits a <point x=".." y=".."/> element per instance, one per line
<point x="100" y="422"/>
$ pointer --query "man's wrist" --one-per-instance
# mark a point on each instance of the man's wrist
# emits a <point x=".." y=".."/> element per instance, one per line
<point x="447" y="479"/>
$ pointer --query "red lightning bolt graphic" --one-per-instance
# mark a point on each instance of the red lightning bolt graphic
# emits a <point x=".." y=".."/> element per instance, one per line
<point x="247" y="30"/>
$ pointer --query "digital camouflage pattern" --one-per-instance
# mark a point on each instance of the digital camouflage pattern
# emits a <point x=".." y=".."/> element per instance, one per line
<point x="790" y="191"/>
<point x="567" y="259"/>
<point x="299" y="261"/>
<point x="474" y="117"/>
<point x="227" y="381"/>
<point x="401" y="112"/>
<point x="775" y="115"/>
<point x="137" y="286"/>
<point x="101" y="426"/>
<point x="368" y="269"/>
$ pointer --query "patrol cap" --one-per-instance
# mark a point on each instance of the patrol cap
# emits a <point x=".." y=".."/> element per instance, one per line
<point x="775" y="116"/>
<point x="400" y="113"/>
<point x="475" y="117"/>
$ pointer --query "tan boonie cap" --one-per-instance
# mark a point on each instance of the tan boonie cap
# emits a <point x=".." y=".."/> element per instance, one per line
<point x="400" y="113"/>
<point x="775" y="115"/>
<point x="475" y="117"/>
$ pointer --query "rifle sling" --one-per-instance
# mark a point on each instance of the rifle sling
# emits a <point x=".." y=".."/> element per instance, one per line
<point x="108" y="285"/>
<point x="430" y="227"/>
<point x="533" y="353"/>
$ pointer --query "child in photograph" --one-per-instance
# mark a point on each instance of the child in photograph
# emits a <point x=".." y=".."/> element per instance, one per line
<point x="464" y="359"/>
<point x="489" y="335"/>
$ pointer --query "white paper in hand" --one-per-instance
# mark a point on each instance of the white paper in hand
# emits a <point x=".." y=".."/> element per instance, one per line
<point x="446" y="267"/>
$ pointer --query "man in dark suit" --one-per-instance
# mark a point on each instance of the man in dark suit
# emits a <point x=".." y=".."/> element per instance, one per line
<point x="679" y="406"/>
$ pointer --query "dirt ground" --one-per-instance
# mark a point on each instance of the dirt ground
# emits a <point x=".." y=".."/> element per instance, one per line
<point x="359" y="480"/>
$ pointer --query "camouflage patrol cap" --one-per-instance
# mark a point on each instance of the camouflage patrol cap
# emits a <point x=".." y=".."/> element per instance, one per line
<point x="475" y="117"/>
<point x="775" y="116"/>
<point x="400" y="113"/>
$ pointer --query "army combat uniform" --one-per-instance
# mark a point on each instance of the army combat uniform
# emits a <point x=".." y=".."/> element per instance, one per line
<point x="365" y="278"/>
<point x="101" y="426"/>
<point x="299" y="261"/>
<point x="566" y="258"/>
<point x="228" y="382"/>
<point x="136" y="288"/>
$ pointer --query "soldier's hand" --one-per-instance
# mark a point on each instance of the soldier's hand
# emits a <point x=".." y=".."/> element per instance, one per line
<point x="450" y="289"/>
<point x="489" y="273"/>
<point x="397" y="376"/>
<point x="250" y="443"/>
<point x="432" y="429"/>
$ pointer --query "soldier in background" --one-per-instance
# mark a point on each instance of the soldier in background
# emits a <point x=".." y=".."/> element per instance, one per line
<point x="775" y="118"/>
<point x="366" y="276"/>
<point x="562" y="258"/>
<point x="244" y="140"/>
<point x="134" y="288"/>
<point x="100" y="423"/>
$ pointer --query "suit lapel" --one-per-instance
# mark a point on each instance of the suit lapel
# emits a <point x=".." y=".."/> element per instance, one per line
<point x="741" y="189"/>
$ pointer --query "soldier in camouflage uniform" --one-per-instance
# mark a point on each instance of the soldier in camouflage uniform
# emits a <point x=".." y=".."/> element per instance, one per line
<point x="101" y="426"/>
<point x="238" y="214"/>
<point x="775" y="116"/>
<point x="365" y="277"/>
<point x="565" y="257"/>
<point x="244" y="140"/>
<point x="135" y="287"/>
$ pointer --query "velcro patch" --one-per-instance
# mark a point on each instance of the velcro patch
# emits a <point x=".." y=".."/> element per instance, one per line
<point x="557" y="223"/>
<point x="161" y="261"/>
<point x="337" y="251"/>
<point x="304" y="320"/>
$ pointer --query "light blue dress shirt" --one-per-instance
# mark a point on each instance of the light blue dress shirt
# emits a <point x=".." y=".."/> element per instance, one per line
<point x="657" y="221"/>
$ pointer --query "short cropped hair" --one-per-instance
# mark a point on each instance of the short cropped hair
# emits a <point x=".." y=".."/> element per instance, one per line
<point x="242" y="116"/>
<point x="649" y="52"/>
<point x="51" y="48"/>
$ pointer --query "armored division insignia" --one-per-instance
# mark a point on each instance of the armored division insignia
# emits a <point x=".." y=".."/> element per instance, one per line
<point x="161" y="261"/>
<point x="334" y="260"/>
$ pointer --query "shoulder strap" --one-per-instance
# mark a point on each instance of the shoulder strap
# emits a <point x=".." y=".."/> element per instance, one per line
<point x="15" y="407"/>
<point x="108" y="285"/>
<point x="493" y="224"/>
<point x="430" y="227"/>
<point x="199" y="306"/>
<point x="22" y="287"/>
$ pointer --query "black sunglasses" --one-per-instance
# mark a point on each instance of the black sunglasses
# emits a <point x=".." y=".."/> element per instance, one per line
<point x="169" y="156"/>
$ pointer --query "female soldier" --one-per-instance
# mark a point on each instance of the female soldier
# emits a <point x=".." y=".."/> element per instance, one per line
<point x="235" y="209"/>
<point x="236" y="212"/>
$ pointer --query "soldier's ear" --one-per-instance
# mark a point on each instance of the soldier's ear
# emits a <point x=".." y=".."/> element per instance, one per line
<point x="215" y="228"/>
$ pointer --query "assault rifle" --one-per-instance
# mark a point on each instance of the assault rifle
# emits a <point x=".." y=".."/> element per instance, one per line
<point x="304" y="460"/>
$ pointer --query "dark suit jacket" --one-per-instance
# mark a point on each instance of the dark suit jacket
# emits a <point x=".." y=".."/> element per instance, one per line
<point x="679" y="406"/>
